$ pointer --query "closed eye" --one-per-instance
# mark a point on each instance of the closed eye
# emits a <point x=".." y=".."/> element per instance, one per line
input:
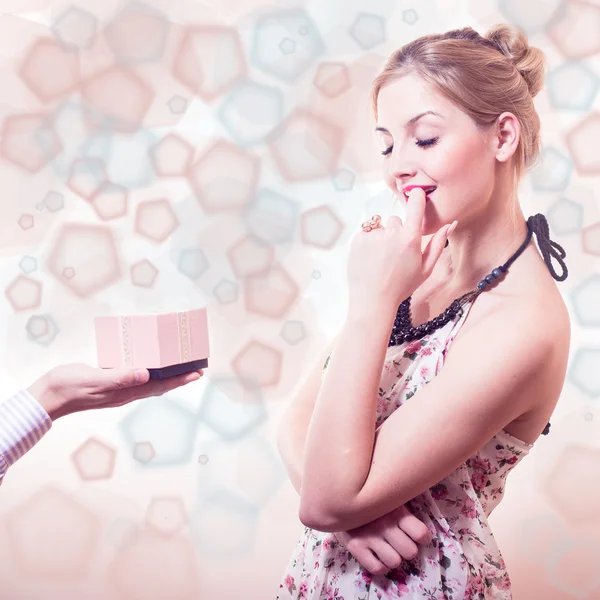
<point x="429" y="142"/>
<point x="420" y="143"/>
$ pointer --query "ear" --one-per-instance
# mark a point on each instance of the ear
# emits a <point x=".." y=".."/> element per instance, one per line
<point x="508" y="134"/>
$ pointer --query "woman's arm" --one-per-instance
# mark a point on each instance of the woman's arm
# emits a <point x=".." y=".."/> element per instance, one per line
<point x="353" y="476"/>
<point x="291" y="432"/>
<point x="378" y="546"/>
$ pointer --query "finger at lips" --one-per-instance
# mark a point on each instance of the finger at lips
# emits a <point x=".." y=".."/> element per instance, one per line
<point x="415" y="210"/>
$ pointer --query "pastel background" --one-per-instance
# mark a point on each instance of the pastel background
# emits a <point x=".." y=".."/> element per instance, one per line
<point x="168" y="154"/>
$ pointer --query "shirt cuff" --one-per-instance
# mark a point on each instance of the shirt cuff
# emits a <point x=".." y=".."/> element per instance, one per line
<point x="23" y="423"/>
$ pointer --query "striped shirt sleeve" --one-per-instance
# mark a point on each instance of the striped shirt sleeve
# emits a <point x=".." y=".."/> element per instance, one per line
<point x="23" y="423"/>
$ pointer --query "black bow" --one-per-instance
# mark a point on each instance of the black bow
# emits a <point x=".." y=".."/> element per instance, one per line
<point x="538" y="224"/>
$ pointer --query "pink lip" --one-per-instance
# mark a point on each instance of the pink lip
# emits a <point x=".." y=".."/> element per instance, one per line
<point x="408" y="188"/>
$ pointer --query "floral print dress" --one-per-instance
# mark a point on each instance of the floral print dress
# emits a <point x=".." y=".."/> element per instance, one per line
<point x="463" y="562"/>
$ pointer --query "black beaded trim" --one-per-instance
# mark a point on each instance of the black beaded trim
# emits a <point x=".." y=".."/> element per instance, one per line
<point x="403" y="330"/>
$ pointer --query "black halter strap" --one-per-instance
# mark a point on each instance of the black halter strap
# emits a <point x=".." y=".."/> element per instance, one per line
<point x="549" y="249"/>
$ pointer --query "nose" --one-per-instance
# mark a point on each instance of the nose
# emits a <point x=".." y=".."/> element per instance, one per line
<point x="401" y="167"/>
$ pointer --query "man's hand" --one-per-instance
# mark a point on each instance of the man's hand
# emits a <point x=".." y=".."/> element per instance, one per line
<point x="77" y="387"/>
<point x="381" y="545"/>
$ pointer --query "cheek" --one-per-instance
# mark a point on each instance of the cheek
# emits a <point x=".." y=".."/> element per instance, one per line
<point x="456" y="162"/>
<point x="463" y="175"/>
<point x="464" y="178"/>
<point x="474" y="155"/>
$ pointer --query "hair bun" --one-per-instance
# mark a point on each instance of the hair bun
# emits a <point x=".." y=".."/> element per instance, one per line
<point x="529" y="61"/>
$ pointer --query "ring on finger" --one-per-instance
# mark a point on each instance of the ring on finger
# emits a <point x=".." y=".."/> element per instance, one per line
<point x="373" y="223"/>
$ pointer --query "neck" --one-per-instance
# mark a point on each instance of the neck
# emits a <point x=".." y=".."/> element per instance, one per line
<point x="479" y="245"/>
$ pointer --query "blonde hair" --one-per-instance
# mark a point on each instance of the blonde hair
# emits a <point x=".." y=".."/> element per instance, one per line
<point x="483" y="75"/>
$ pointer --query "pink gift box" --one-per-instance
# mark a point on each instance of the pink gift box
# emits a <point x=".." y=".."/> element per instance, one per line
<point x="166" y="344"/>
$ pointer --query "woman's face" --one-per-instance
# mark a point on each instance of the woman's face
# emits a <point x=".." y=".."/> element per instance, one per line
<point x="446" y="151"/>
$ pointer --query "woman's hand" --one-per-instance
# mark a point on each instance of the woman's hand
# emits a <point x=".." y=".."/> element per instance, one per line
<point x="387" y="264"/>
<point x="77" y="387"/>
<point x="381" y="545"/>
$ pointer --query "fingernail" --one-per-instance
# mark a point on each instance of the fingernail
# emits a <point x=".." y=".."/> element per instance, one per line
<point x="139" y="375"/>
<point x="451" y="228"/>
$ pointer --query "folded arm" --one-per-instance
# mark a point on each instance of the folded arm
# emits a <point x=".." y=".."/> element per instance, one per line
<point x="378" y="546"/>
<point x="353" y="474"/>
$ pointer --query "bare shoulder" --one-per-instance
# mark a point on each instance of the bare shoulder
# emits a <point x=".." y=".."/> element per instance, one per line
<point x="525" y="327"/>
<point x="535" y="318"/>
<point x="544" y="311"/>
<point x="544" y="316"/>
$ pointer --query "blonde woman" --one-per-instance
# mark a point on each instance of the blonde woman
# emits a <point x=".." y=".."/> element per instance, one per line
<point x="452" y="356"/>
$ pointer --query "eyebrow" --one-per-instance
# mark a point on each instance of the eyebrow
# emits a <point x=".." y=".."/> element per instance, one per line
<point x="413" y="120"/>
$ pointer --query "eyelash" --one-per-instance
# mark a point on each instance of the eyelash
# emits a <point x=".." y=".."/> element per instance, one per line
<point x="421" y="143"/>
